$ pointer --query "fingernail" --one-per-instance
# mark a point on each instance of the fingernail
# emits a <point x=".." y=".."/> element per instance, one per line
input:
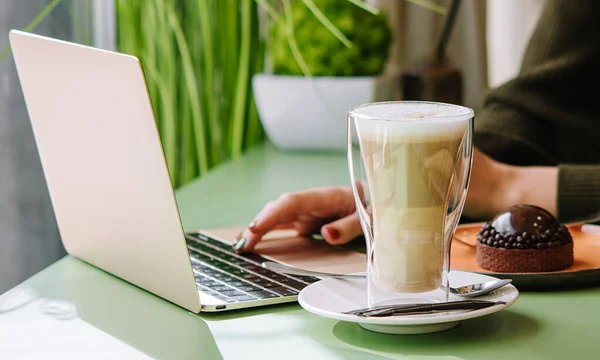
<point x="333" y="233"/>
<point x="317" y="236"/>
<point x="237" y="238"/>
<point x="252" y="225"/>
<point x="239" y="245"/>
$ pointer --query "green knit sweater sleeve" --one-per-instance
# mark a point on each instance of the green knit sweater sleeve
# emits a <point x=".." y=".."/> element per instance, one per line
<point x="549" y="114"/>
<point x="578" y="195"/>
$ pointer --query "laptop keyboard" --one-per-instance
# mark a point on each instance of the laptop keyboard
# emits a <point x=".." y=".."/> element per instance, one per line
<point x="231" y="277"/>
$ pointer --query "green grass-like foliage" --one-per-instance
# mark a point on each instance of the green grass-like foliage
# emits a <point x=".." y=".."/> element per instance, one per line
<point x="198" y="57"/>
<point x="323" y="53"/>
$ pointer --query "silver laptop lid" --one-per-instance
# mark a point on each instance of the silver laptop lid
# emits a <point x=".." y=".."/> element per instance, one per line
<point x="103" y="161"/>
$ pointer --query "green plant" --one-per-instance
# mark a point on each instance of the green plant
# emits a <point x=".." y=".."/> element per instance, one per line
<point x="199" y="57"/>
<point x="356" y="42"/>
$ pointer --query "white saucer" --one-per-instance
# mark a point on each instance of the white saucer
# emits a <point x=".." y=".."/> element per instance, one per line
<point x="331" y="297"/>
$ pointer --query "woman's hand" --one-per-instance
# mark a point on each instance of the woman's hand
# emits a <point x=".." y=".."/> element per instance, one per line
<point x="328" y="210"/>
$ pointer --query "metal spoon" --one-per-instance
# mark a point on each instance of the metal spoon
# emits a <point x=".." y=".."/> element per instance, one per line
<point x="479" y="289"/>
<point x="464" y="291"/>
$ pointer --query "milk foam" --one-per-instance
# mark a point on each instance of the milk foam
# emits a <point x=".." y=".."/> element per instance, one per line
<point x="411" y="122"/>
<point x="407" y="111"/>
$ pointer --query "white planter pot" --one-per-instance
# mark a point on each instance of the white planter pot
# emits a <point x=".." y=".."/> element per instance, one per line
<point x="299" y="113"/>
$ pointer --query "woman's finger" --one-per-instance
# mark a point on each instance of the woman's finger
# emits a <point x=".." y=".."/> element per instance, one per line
<point x="343" y="230"/>
<point x="247" y="240"/>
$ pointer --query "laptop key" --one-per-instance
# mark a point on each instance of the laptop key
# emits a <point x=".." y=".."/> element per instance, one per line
<point x="210" y="284"/>
<point x="199" y="257"/>
<point x="280" y="278"/>
<point x="248" y="288"/>
<point x="220" y="288"/>
<point x="238" y="272"/>
<point x="232" y="292"/>
<point x="250" y="277"/>
<point x="208" y="292"/>
<point x="296" y="285"/>
<point x="201" y="236"/>
<point x="198" y="260"/>
<point x="229" y="258"/>
<point x="266" y="272"/>
<point x="307" y="279"/>
<point x="251" y="267"/>
<point x="212" y="251"/>
<point x="254" y="257"/>
<point x="261" y="294"/>
<point x="229" y="279"/>
<point x="284" y="291"/>
<point x="217" y="243"/>
<point x="240" y="262"/>
<point x="213" y="285"/>
<point x="243" y="297"/>
<point x="269" y="284"/>
<point x="210" y="261"/>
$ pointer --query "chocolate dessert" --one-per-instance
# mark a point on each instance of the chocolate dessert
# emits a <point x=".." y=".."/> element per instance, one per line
<point x="524" y="238"/>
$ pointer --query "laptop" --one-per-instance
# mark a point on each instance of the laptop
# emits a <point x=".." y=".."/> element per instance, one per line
<point x="110" y="189"/>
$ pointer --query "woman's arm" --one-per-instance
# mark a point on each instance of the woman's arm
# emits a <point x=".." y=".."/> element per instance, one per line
<point x="570" y="192"/>
<point x="547" y="117"/>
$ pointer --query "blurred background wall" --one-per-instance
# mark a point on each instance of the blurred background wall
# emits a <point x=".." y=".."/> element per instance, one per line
<point x="29" y="238"/>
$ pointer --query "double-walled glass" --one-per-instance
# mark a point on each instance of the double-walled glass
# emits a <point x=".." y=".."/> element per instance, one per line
<point x="409" y="164"/>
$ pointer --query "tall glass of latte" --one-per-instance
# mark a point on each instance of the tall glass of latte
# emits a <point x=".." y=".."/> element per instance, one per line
<point x="409" y="164"/>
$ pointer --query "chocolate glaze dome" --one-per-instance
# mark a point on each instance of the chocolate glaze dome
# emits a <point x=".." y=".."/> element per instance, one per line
<point x="524" y="227"/>
<point x="524" y="238"/>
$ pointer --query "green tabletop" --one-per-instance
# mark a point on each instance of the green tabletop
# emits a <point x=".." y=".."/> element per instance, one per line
<point x="116" y="320"/>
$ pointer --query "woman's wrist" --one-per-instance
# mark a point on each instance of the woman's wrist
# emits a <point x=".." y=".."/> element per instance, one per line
<point x="506" y="189"/>
<point x="534" y="185"/>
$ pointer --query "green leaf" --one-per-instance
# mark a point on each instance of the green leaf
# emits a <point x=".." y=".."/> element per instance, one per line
<point x="208" y="77"/>
<point x="289" y="21"/>
<point x="239" y="106"/>
<point x="325" y="21"/>
<point x="191" y="85"/>
<point x="365" y="6"/>
<point x="271" y="11"/>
